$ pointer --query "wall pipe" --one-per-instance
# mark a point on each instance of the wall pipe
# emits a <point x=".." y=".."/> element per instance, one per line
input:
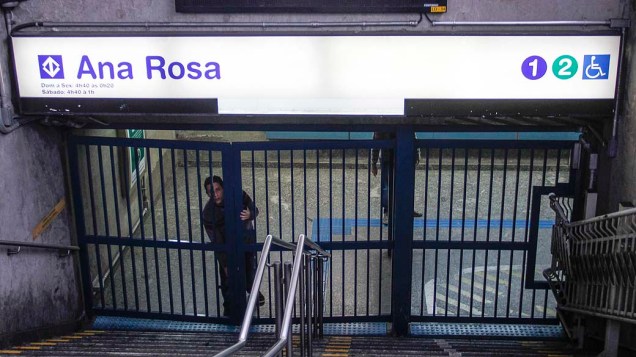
<point x="263" y="24"/>
<point x="521" y="23"/>
<point x="8" y="122"/>
<point x="612" y="147"/>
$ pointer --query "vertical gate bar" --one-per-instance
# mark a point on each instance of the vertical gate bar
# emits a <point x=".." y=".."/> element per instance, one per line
<point x="331" y="194"/>
<point x="233" y="201"/>
<point x="308" y="294"/>
<point x="178" y="235"/>
<point x="287" y="271"/>
<point x="305" y="190"/>
<point x="355" y="235"/>
<point x="291" y="188"/>
<point x="425" y="224"/>
<point x="109" y="246"/>
<point x="558" y="166"/>
<point x="426" y="177"/>
<point x="91" y="192"/>
<point x="320" y="302"/>
<point x="278" y="296"/>
<point x="165" y="228"/>
<point x="122" y="267"/>
<point x="202" y="234"/>
<point x="439" y="193"/>
<point x="463" y="231"/>
<point x="382" y="213"/>
<point x="475" y="228"/>
<point x="344" y="276"/>
<point x="95" y="232"/>
<point x="106" y="228"/>
<point x="280" y="199"/>
<point x="98" y="259"/>
<point x="527" y="228"/>
<point x="80" y="223"/>
<point x="450" y="227"/>
<point x="130" y="236"/>
<point x="314" y="284"/>
<point x="302" y="306"/>
<point x="189" y="215"/>
<point x="131" y="233"/>
<point x="269" y="286"/>
<point x="154" y="226"/>
<point x="403" y="202"/>
<point x="368" y="256"/>
<point x="501" y="220"/>
<point x="140" y="210"/>
<point x="514" y="229"/>
<point x="437" y="228"/>
<point x="488" y="220"/>
<point x="545" y="303"/>
<point x="452" y="197"/>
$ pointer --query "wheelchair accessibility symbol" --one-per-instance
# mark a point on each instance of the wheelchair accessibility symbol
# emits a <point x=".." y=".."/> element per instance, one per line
<point x="596" y="66"/>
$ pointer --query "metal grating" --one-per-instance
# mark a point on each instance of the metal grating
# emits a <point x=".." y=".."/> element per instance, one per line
<point x="487" y="330"/>
<point x="135" y="324"/>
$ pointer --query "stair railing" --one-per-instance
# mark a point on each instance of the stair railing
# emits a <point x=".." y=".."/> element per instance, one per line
<point x="251" y="303"/>
<point x="304" y="247"/>
<point x="593" y="269"/>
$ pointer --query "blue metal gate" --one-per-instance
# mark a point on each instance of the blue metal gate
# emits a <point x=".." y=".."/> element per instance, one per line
<point x="470" y="257"/>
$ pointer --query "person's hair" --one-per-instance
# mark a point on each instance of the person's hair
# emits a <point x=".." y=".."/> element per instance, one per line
<point x="209" y="181"/>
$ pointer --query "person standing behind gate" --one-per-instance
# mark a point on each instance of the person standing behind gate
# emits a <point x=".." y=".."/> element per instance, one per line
<point x="213" y="217"/>
<point x="387" y="169"/>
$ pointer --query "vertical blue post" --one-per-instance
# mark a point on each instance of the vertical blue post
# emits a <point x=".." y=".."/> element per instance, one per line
<point x="403" y="200"/>
<point x="233" y="201"/>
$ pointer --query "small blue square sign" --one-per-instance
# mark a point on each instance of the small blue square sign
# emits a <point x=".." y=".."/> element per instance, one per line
<point x="596" y="66"/>
<point x="51" y="67"/>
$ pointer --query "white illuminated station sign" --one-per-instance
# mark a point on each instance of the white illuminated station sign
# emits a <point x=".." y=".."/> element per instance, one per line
<point x="351" y="75"/>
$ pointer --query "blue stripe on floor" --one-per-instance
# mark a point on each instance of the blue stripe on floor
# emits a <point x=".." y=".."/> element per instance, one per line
<point x="345" y="227"/>
<point x="434" y="329"/>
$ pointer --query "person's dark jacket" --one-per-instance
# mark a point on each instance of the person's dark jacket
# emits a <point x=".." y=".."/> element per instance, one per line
<point x="213" y="217"/>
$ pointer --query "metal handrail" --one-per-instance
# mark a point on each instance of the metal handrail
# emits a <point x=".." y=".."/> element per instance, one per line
<point x="67" y="248"/>
<point x="289" y="303"/>
<point x="247" y="319"/>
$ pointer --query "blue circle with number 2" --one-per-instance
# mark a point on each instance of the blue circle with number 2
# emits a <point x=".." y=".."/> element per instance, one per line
<point x="534" y="67"/>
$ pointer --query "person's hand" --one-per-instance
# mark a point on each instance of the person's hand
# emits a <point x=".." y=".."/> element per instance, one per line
<point x="374" y="169"/>
<point x="246" y="214"/>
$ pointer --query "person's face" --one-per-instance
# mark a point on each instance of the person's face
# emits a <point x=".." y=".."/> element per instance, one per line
<point x="215" y="192"/>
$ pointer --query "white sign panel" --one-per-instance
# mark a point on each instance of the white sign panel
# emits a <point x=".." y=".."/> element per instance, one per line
<point x="318" y="74"/>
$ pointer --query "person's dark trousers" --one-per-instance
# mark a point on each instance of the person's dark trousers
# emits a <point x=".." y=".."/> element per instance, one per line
<point x="225" y="289"/>
<point x="250" y="270"/>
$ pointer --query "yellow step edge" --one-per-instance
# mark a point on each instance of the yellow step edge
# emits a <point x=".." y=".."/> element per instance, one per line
<point x="73" y="337"/>
<point x="343" y="350"/>
<point x="29" y="348"/>
<point x="43" y="344"/>
<point x="10" y="352"/>
<point x="58" y="340"/>
<point x="84" y="334"/>
<point x="335" y="354"/>
<point x="94" y="331"/>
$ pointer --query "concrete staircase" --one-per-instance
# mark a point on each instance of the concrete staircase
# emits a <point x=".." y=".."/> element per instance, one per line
<point x="143" y="343"/>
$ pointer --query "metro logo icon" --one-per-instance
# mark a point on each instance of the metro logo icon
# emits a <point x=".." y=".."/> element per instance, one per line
<point x="51" y="66"/>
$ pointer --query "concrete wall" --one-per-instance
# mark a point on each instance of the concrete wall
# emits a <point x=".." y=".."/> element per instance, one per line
<point x="622" y="169"/>
<point x="37" y="288"/>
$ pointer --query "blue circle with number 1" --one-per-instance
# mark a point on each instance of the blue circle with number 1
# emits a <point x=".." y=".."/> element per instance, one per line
<point x="534" y="67"/>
